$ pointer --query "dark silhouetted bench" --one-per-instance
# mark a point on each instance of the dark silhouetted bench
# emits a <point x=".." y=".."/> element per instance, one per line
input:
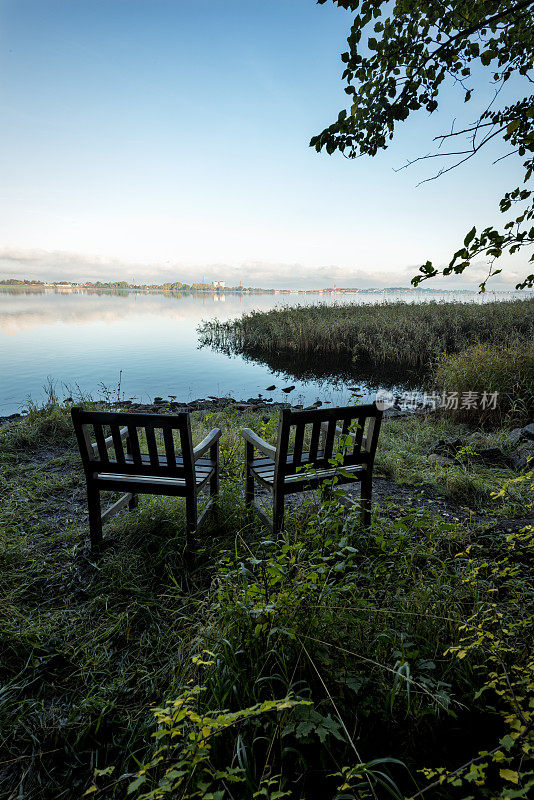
<point x="112" y="446"/>
<point x="341" y="444"/>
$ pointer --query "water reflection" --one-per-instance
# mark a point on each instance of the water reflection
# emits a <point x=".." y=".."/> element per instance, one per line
<point x="87" y="337"/>
<point x="25" y="310"/>
<point x="338" y="372"/>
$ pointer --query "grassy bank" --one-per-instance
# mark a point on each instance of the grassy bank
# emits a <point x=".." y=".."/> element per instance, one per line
<point x="399" y="333"/>
<point x="336" y="663"/>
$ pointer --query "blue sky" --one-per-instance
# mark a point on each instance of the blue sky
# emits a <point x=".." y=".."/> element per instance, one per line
<point x="168" y="139"/>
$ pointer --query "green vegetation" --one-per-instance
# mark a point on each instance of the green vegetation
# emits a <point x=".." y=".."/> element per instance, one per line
<point x="401" y="55"/>
<point x="399" y="334"/>
<point x="18" y="282"/>
<point x="454" y="347"/>
<point x="402" y="452"/>
<point x="334" y="663"/>
<point x="484" y="368"/>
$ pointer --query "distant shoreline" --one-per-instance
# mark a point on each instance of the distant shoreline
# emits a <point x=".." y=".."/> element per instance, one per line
<point x="75" y="288"/>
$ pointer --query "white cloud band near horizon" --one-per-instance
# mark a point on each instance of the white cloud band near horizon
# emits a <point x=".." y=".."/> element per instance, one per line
<point x="58" y="265"/>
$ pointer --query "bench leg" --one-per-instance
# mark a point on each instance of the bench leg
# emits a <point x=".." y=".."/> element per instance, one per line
<point x="366" y="496"/>
<point x="278" y="512"/>
<point x="134" y="502"/>
<point x="249" y="480"/>
<point x="95" y="516"/>
<point x="190" y="517"/>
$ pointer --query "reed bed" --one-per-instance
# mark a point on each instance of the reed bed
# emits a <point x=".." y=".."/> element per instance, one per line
<point x="398" y="333"/>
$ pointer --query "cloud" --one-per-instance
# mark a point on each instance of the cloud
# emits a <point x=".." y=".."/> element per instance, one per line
<point x="57" y="265"/>
<point x="60" y="265"/>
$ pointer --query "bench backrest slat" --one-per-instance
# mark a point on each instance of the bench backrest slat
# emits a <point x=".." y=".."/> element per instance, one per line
<point x="373" y="431"/>
<point x="133" y="442"/>
<point x="341" y="430"/>
<point x="186" y="442"/>
<point x="314" y="441"/>
<point x="359" y="431"/>
<point x="157" y="430"/>
<point x="329" y="440"/>
<point x="117" y="443"/>
<point x="297" y="447"/>
<point x="101" y="443"/>
<point x="152" y="446"/>
<point x="170" y="452"/>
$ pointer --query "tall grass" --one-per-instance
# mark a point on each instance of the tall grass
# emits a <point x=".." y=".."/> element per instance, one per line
<point x="387" y="333"/>
<point x="506" y="371"/>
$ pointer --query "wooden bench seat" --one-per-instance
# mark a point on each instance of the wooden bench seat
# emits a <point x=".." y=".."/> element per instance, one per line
<point x="113" y="479"/>
<point x="264" y="470"/>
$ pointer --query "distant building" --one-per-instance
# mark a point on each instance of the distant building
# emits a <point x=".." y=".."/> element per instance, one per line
<point x="214" y="286"/>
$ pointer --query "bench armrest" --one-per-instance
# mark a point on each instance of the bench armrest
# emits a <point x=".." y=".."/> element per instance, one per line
<point x="261" y="445"/>
<point x="212" y="437"/>
<point x="108" y="441"/>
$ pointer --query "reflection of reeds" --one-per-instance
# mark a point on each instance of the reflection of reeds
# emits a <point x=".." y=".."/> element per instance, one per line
<point x="337" y="370"/>
<point x="398" y="333"/>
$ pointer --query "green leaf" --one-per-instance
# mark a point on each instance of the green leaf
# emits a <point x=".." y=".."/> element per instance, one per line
<point x="304" y="728"/>
<point x="509" y="775"/>
<point x="134" y="785"/>
<point x="470" y="236"/>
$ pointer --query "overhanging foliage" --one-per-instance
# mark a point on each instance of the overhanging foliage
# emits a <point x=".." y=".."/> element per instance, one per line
<point x="398" y="58"/>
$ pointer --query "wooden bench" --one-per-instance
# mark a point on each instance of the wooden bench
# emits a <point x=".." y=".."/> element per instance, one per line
<point x="115" y="462"/>
<point x="341" y="443"/>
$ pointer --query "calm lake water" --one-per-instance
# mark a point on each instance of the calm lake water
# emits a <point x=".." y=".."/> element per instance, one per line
<point x="82" y="340"/>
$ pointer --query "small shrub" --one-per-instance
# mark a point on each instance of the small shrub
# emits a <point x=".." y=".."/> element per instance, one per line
<point x="509" y="371"/>
<point x="49" y="425"/>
